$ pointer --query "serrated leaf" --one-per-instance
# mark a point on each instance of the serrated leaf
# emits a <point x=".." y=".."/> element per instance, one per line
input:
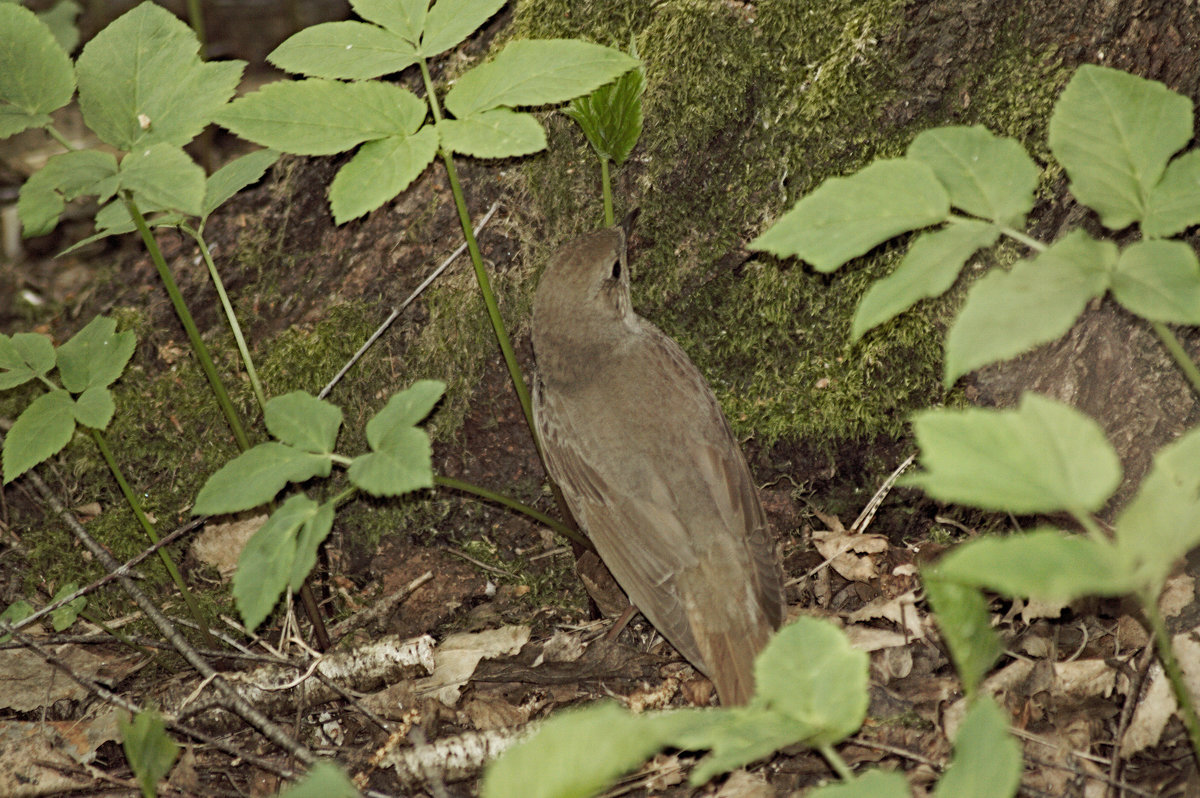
<point x="40" y="432"/>
<point x="1043" y="564"/>
<point x="402" y="463"/>
<point x="141" y="81"/>
<point x="403" y="17"/>
<point x="739" y="736"/>
<point x="345" y="50"/>
<point x="871" y="784"/>
<point x="988" y="176"/>
<point x="234" y="176"/>
<point x="323" y="117"/>
<point x="536" y="72"/>
<point x="255" y="476"/>
<point x="310" y="536"/>
<point x="95" y="356"/>
<point x="60" y="18"/>
<point x="1113" y="132"/>
<point x="324" y="780"/>
<point x="1174" y="203"/>
<point x="966" y="627"/>
<point x="987" y="760"/>
<point x="94" y="407"/>
<point x="809" y="672"/>
<point x="450" y="22"/>
<point x="611" y="116"/>
<point x="380" y="170"/>
<point x="23" y="357"/>
<point x="1162" y="522"/>
<point x="35" y="72"/>
<point x="148" y="748"/>
<point x="265" y="565"/>
<point x="405" y="409"/>
<point x="1041" y="457"/>
<point x="928" y="270"/>
<point x="64" y="177"/>
<point x="577" y="752"/>
<point x="15" y="613"/>
<point x="164" y="176"/>
<point x="1159" y="280"/>
<point x="1009" y="313"/>
<point x="848" y="216"/>
<point x="498" y="133"/>
<point x="304" y="421"/>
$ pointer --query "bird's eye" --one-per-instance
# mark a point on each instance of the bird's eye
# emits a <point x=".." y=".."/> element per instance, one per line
<point x="616" y="272"/>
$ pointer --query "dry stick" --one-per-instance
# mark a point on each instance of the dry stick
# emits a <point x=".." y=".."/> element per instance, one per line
<point x="379" y="609"/>
<point x="397" y="311"/>
<point x="1136" y="681"/>
<point x="236" y="703"/>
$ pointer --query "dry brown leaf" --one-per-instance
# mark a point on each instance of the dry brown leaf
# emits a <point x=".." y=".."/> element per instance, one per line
<point x="220" y="545"/>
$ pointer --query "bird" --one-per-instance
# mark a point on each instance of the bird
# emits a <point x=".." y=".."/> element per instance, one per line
<point x="647" y="462"/>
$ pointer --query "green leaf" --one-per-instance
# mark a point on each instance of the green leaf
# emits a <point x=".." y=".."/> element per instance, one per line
<point x="64" y="177"/>
<point x="611" y="116"/>
<point x="95" y="356"/>
<point x="848" y="216"/>
<point x="739" y="736"/>
<point x="235" y="176"/>
<point x="304" y="421"/>
<point x="576" y="753"/>
<point x="35" y="72"/>
<point x="404" y="409"/>
<point x="966" y="627"/>
<point x="255" y="476"/>
<point x="165" y="177"/>
<point x="928" y="270"/>
<point x="1174" y="203"/>
<point x="451" y="21"/>
<point x="24" y="357"/>
<point x="40" y="432"/>
<point x="1162" y="522"/>
<point x="1113" y="132"/>
<point x="60" y="18"/>
<point x="380" y="170"/>
<point x="312" y="533"/>
<point x="64" y="616"/>
<point x="404" y="463"/>
<point x="1009" y="313"/>
<point x="498" y="133"/>
<point x="141" y="81"/>
<point x="323" y="117"/>
<point x="94" y="407"/>
<point x="985" y="175"/>
<point x="1159" y="280"/>
<point x="346" y="50"/>
<point x="536" y="72"/>
<point x="809" y="672"/>
<point x="149" y="749"/>
<point x="987" y="760"/>
<point x="15" y="613"/>
<point x="1044" y="564"/>
<point x="404" y="17"/>
<point x="265" y="565"/>
<point x="1042" y="457"/>
<point x="325" y="779"/>
<point x="871" y="784"/>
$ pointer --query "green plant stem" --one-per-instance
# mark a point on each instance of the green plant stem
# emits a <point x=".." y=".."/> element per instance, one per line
<point x="606" y="189"/>
<point x="1017" y="235"/>
<point x="513" y="504"/>
<point x="1178" y="353"/>
<point x="1091" y="527"/>
<point x="1166" y="655"/>
<point x="53" y="132"/>
<point x="189" y="325"/>
<point x="836" y="762"/>
<point x="481" y="277"/>
<point x="148" y="528"/>
<point x="230" y="316"/>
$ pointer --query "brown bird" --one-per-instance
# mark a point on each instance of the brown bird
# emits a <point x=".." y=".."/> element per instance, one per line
<point x="638" y="444"/>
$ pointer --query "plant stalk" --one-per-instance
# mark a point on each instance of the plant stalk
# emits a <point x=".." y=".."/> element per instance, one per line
<point x="189" y="325"/>
<point x="1166" y="655"/>
<point x="513" y="504"/>
<point x="606" y="190"/>
<point x="1175" y="349"/>
<point x="148" y="528"/>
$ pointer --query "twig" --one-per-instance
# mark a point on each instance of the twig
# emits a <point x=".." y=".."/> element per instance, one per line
<point x="380" y="609"/>
<point x="362" y="350"/>
<point x="236" y="703"/>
